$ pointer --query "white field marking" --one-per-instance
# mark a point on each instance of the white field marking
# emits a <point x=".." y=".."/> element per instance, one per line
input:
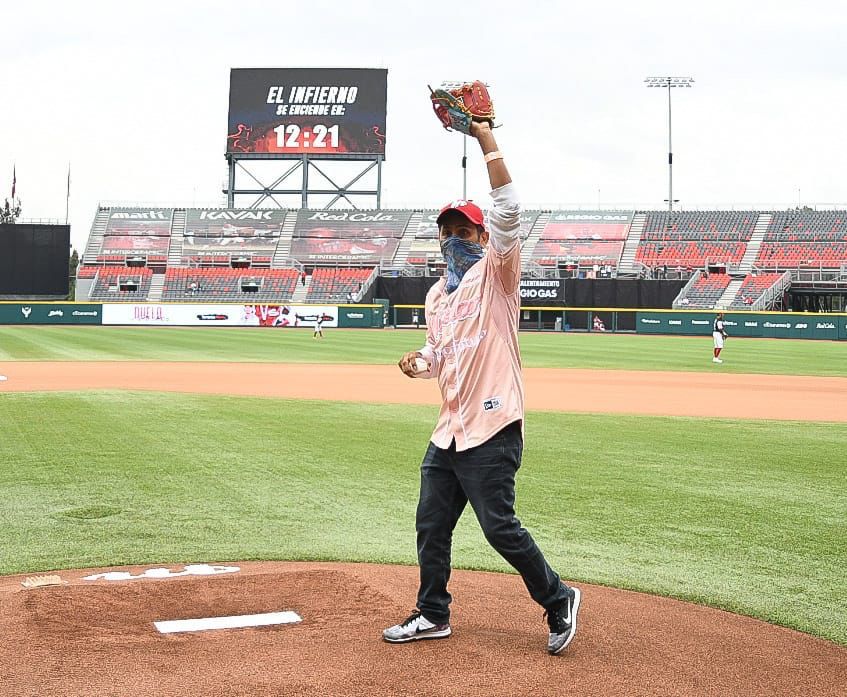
<point x="2" y="378"/>
<point x="232" y="622"/>
<point x="161" y="572"/>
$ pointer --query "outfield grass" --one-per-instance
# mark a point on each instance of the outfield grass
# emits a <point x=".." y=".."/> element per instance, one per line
<point x="550" y="350"/>
<point x="743" y="515"/>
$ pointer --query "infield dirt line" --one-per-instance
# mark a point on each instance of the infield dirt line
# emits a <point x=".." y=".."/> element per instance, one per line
<point x="743" y="396"/>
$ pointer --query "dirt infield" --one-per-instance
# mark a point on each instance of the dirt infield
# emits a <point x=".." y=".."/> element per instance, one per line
<point x="96" y="637"/>
<point x="614" y="391"/>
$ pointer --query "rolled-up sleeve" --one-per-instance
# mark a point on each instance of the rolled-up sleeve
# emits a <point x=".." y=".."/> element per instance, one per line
<point x="504" y="227"/>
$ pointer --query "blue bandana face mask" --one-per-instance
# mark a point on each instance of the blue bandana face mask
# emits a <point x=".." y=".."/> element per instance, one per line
<point x="460" y="255"/>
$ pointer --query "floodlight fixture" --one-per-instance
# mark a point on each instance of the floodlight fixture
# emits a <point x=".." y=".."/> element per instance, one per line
<point x="668" y="81"/>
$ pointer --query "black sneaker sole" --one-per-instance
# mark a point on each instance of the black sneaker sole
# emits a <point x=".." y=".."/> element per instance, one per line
<point x="440" y="634"/>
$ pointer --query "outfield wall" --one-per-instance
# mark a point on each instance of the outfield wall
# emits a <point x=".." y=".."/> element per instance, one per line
<point x="780" y="325"/>
<point x="50" y="313"/>
<point x="191" y="315"/>
<point x="786" y="325"/>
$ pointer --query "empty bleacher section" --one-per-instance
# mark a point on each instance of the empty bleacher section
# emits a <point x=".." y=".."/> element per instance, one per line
<point x="753" y="288"/>
<point x="792" y="255"/>
<point x="222" y="250"/>
<point x="583" y="238"/>
<point x="229" y="285"/>
<point x="336" y="285"/>
<point x="134" y="233"/>
<point x="808" y="226"/>
<point x="121" y="284"/>
<point x="347" y="237"/>
<point x="699" y="225"/>
<point x="695" y="238"/>
<point x="216" y="237"/>
<point x="804" y="238"/>
<point x="689" y="254"/>
<point x="704" y="290"/>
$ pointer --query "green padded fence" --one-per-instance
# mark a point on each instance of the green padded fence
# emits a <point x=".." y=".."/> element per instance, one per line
<point x="780" y="325"/>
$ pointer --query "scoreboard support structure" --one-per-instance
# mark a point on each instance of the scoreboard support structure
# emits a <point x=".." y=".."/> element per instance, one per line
<point x="281" y="173"/>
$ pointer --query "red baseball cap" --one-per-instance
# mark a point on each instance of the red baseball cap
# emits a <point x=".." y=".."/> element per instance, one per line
<point x="467" y="208"/>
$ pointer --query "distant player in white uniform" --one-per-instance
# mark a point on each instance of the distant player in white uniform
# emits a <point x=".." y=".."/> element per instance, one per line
<point x="718" y="334"/>
<point x="318" y="325"/>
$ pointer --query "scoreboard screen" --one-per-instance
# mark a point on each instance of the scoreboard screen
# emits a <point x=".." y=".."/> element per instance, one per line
<point x="322" y="111"/>
<point x="34" y="259"/>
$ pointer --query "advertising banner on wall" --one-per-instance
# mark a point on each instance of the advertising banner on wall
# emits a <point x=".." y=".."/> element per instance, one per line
<point x="233" y="222"/>
<point x="351" y="224"/>
<point x="134" y="243"/>
<point x="227" y="245"/>
<point x="587" y="225"/>
<point x="219" y="315"/>
<point x="578" y="249"/>
<point x="50" y="313"/>
<point x="542" y="291"/>
<point x="360" y="251"/>
<point x="360" y="316"/>
<point x="773" y="325"/>
<point x="307" y="110"/>
<point x="140" y="221"/>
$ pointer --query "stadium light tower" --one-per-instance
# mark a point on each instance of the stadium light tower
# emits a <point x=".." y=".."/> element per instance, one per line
<point x="669" y="82"/>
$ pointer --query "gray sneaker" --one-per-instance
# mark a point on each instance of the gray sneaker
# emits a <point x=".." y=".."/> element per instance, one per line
<point x="415" y="627"/>
<point x="562" y="623"/>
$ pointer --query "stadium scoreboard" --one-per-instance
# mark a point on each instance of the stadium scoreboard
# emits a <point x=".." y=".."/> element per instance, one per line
<point x="317" y="111"/>
<point x="34" y="259"/>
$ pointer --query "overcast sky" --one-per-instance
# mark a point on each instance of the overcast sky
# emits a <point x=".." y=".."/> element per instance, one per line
<point x="135" y="96"/>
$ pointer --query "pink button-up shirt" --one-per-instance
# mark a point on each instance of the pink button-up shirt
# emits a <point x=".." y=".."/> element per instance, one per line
<point x="472" y="337"/>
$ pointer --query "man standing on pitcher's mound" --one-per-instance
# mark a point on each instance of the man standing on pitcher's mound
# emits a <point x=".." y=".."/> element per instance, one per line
<point x="475" y="450"/>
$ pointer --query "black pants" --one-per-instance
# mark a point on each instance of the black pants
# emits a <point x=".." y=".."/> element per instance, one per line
<point x="485" y="476"/>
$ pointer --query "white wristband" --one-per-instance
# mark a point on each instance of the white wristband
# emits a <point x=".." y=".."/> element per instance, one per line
<point x="496" y="155"/>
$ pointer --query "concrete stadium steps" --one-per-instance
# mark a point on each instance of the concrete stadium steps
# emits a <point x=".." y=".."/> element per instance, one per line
<point x="401" y="256"/>
<point x="302" y="290"/>
<point x="177" y="238"/>
<point x="729" y="294"/>
<point x="282" y="253"/>
<point x="157" y="284"/>
<point x="95" y="238"/>
<point x="534" y="235"/>
<point x="755" y="242"/>
<point x="636" y="229"/>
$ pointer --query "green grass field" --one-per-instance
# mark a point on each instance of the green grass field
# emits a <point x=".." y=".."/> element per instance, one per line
<point x="549" y="350"/>
<point x="743" y="515"/>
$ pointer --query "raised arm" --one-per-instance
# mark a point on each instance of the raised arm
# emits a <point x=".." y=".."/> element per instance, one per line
<point x="504" y="217"/>
<point x="498" y="175"/>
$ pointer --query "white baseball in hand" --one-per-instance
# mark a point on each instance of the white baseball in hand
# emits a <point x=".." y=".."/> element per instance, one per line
<point x="420" y="365"/>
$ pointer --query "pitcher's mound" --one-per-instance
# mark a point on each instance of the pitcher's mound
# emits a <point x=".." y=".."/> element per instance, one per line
<point x="97" y="637"/>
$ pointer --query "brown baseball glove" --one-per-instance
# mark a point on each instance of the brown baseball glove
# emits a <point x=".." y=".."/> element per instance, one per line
<point x="457" y="108"/>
